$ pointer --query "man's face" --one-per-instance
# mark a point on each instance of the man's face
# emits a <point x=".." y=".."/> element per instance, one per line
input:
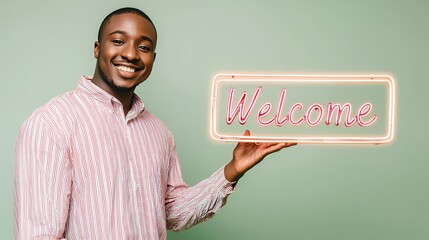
<point x="125" y="53"/>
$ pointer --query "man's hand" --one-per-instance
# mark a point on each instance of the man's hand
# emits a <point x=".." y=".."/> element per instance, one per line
<point x="247" y="154"/>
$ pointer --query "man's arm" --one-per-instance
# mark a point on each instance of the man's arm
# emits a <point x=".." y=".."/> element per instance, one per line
<point x="42" y="182"/>
<point x="187" y="206"/>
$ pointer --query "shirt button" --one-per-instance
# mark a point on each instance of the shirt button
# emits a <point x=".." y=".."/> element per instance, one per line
<point x="137" y="186"/>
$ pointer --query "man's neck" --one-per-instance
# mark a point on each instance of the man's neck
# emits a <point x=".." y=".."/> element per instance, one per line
<point x="127" y="102"/>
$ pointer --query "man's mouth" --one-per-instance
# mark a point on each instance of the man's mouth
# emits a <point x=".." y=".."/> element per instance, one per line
<point x="125" y="69"/>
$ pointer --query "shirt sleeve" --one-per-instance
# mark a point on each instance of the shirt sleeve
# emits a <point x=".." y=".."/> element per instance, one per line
<point x="187" y="206"/>
<point x="42" y="182"/>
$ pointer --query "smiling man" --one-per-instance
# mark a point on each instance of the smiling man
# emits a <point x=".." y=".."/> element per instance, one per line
<point x="94" y="163"/>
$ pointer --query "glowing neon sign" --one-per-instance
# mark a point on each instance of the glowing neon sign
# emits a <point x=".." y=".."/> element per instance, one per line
<point x="302" y="108"/>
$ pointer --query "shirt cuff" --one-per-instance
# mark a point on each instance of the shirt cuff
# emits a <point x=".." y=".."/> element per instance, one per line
<point x="226" y="187"/>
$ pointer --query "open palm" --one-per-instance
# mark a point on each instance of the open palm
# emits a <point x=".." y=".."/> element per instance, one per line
<point x="247" y="154"/>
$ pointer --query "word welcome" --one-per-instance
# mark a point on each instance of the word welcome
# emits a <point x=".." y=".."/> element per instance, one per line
<point x="312" y="117"/>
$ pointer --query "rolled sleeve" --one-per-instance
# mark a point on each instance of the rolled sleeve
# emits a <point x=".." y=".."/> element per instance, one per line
<point x="188" y="206"/>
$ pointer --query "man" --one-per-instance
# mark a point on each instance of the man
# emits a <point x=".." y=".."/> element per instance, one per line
<point x="93" y="163"/>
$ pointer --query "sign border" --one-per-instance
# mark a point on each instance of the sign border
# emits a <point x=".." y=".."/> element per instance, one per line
<point x="369" y="78"/>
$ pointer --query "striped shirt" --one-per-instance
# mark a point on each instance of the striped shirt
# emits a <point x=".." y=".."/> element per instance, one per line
<point x="83" y="170"/>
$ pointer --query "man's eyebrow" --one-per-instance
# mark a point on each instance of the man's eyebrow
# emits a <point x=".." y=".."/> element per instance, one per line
<point x="143" y="37"/>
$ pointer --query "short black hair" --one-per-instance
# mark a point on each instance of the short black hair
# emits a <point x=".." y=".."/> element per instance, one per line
<point x="122" y="11"/>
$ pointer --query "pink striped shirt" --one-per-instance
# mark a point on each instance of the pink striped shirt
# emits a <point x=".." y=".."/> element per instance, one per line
<point x="83" y="170"/>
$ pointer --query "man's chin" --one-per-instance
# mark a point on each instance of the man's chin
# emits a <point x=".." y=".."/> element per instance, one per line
<point x="123" y="89"/>
<point x="121" y="86"/>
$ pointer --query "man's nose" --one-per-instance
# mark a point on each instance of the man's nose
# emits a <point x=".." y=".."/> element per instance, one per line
<point x="130" y="52"/>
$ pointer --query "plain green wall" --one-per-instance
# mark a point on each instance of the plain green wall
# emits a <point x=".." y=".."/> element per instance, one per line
<point x="307" y="192"/>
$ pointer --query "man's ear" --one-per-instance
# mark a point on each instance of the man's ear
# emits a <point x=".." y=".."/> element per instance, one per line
<point x="96" y="49"/>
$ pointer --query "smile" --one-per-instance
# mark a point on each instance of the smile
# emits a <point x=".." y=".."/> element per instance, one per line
<point x="125" y="69"/>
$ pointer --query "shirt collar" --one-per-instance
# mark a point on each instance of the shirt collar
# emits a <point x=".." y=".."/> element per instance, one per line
<point x="86" y="85"/>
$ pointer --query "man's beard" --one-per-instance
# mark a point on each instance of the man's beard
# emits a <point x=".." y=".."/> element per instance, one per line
<point x="112" y="85"/>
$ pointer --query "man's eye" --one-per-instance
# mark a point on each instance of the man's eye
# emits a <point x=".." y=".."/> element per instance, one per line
<point x="117" y="42"/>
<point x="144" y="48"/>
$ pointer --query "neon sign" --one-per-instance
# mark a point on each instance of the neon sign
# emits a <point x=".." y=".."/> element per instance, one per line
<point x="303" y="108"/>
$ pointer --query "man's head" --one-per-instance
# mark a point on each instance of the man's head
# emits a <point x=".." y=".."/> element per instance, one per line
<point x="122" y="11"/>
<point x="125" y="51"/>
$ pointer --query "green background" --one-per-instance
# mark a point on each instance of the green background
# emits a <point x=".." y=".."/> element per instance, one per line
<point x="306" y="192"/>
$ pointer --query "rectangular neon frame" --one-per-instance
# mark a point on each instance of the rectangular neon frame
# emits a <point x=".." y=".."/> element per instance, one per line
<point x="305" y="79"/>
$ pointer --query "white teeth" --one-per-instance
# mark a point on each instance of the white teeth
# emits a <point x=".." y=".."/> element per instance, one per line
<point x="126" y="69"/>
